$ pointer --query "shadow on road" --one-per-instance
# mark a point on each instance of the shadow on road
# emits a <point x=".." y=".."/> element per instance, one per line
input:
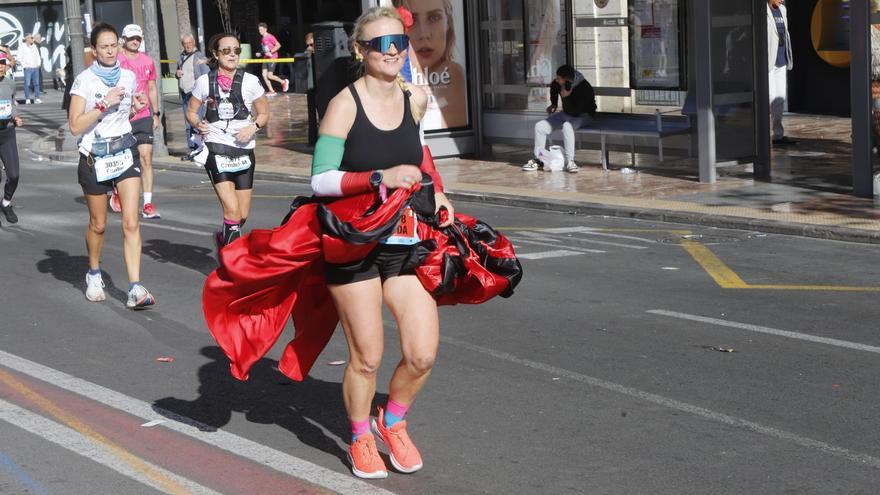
<point x="268" y="397"/>
<point x="72" y="269"/>
<point x="196" y="258"/>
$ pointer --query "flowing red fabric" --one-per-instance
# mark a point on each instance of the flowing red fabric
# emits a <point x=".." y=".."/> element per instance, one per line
<point x="270" y="275"/>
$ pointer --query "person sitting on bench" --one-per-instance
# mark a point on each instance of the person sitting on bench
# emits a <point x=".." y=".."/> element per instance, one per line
<point x="578" y="110"/>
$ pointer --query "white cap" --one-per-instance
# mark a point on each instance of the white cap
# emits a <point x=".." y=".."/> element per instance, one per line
<point x="132" y="30"/>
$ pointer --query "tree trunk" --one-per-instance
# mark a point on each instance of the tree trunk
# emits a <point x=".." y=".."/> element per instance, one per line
<point x="151" y="39"/>
<point x="184" y="25"/>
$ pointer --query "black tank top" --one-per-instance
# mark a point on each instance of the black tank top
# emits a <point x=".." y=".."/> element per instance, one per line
<point x="369" y="148"/>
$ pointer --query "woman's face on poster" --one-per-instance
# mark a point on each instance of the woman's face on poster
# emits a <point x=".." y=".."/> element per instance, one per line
<point x="428" y="34"/>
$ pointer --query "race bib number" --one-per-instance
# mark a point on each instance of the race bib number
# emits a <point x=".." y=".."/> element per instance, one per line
<point x="405" y="234"/>
<point x="226" y="164"/>
<point x="112" y="166"/>
<point x="5" y="109"/>
<point x="225" y="110"/>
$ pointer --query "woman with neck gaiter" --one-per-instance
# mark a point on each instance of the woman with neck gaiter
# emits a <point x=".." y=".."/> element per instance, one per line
<point x="102" y="100"/>
<point x="236" y="108"/>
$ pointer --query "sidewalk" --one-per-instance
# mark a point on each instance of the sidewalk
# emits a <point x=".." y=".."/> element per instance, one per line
<point x="809" y="195"/>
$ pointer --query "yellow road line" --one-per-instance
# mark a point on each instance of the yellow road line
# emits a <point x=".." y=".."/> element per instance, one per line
<point x="132" y="460"/>
<point x="721" y="273"/>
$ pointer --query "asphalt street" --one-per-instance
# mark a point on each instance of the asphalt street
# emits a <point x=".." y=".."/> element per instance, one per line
<point x="635" y="357"/>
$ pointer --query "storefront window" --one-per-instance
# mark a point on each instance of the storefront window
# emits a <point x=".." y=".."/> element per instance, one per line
<point x="525" y="41"/>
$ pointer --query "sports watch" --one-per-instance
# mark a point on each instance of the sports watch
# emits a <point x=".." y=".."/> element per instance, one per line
<point x="376" y="179"/>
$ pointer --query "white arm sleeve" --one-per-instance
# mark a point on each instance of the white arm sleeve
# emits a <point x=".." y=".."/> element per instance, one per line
<point x="328" y="183"/>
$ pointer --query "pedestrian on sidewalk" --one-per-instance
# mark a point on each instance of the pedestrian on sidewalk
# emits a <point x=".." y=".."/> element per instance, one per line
<point x="236" y="109"/>
<point x="191" y="65"/>
<point x="270" y="46"/>
<point x="145" y="121"/>
<point x="38" y="42"/>
<point x="578" y="110"/>
<point x="9" y="120"/>
<point x="780" y="61"/>
<point x="103" y="98"/>
<point x="31" y="63"/>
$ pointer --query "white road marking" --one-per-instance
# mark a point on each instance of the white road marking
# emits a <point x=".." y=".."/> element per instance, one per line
<point x="559" y="253"/>
<point x="240" y="446"/>
<point x="516" y="240"/>
<point x="618" y="236"/>
<point x="538" y="237"/>
<point x="771" y="331"/>
<point x="77" y="443"/>
<point x="660" y="400"/>
<point x="582" y="230"/>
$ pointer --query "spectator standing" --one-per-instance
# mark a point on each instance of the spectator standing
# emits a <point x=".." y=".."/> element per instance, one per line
<point x="780" y="61"/>
<point x="38" y="42"/>
<point x="270" y="46"/>
<point x="191" y="65"/>
<point x="29" y="57"/>
<point x="578" y="110"/>
<point x="146" y="119"/>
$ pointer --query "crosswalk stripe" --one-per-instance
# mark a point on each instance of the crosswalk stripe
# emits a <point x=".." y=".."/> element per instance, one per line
<point x="548" y="254"/>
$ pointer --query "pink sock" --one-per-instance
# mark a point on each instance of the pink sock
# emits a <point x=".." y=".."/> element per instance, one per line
<point x="358" y="428"/>
<point x="396" y="408"/>
<point x="394" y="413"/>
<point x="230" y="222"/>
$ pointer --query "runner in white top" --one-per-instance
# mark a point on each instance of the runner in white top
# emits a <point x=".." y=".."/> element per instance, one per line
<point x="236" y="108"/>
<point x="102" y="100"/>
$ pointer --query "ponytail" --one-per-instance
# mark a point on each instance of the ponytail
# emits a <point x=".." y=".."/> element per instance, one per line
<point x="414" y="107"/>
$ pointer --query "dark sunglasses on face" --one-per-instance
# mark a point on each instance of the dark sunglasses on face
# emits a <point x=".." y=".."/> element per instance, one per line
<point x="134" y="38"/>
<point x="227" y="50"/>
<point x="382" y="44"/>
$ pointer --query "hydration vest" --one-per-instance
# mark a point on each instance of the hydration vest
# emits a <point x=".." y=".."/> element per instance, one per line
<point x="231" y="108"/>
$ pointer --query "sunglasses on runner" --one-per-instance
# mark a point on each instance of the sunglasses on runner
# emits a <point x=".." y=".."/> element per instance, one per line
<point x="227" y="50"/>
<point x="382" y="44"/>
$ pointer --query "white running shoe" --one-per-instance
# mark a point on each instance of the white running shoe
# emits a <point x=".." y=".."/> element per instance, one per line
<point x="532" y="165"/>
<point x="27" y="101"/>
<point x="139" y="297"/>
<point x="94" y="287"/>
<point x="571" y="167"/>
<point x="38" y="101"/>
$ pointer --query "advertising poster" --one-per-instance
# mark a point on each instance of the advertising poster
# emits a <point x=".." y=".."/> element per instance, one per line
<point x="546" y="49"/>
<point x="437" y="59"/>
<point x="654" y="30"/>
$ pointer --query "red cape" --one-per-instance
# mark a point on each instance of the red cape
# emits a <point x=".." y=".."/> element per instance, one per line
<point x="270" y="275"/>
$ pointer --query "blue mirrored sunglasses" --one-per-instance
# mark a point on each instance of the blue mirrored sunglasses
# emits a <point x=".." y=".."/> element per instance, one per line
<point x="382" y="44"/>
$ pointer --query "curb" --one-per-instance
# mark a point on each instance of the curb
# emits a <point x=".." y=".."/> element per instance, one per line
<point x="833" y="233"/>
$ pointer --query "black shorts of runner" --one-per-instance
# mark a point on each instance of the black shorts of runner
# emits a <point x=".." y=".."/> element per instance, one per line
<point x="89" y="181"/>
<point x="269" y="66"/>
<point x="384" y="261"/>
<point x="243" y="180"/>
<point x="142" y="130"/>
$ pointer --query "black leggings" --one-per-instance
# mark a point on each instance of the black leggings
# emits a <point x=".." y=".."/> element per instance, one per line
<point x="9" y="157"/>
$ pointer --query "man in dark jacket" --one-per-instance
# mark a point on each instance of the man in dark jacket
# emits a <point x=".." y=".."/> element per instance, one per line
<point x="578" y="109"/>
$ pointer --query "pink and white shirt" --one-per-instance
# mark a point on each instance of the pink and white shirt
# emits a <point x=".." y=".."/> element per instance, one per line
<point x="144" y="71"/>
<point x="269" y="41"/>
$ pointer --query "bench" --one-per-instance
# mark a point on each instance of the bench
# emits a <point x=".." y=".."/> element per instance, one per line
<point x="634" y="126"/>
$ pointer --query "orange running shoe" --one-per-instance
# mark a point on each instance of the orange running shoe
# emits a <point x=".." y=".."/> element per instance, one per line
<point x="405" y="456"/>
<point x="365" y="460"/>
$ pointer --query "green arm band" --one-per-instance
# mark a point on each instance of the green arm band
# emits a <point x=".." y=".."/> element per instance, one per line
<point x="328" y="154"/>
